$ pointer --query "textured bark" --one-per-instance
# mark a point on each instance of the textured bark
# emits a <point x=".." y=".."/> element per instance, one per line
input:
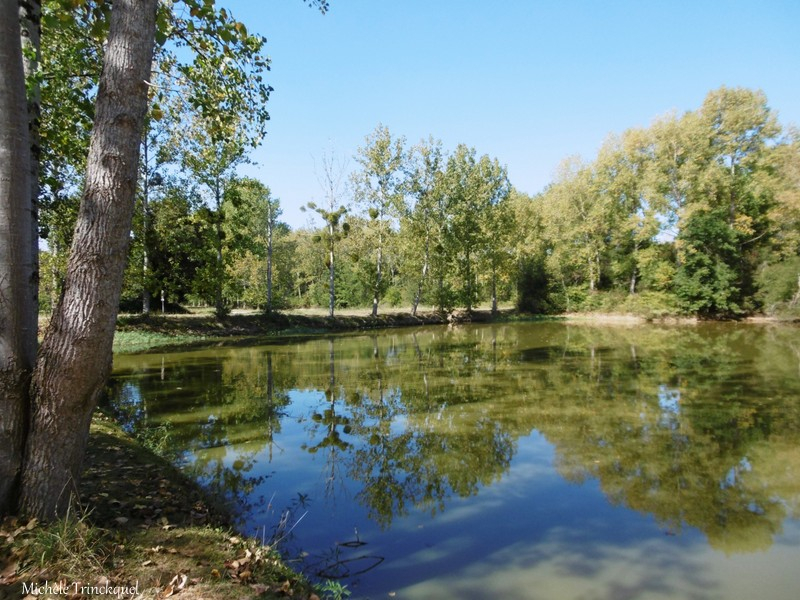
<point x="75" y="357"/>
<point x="30" y="17"/>
<point x="145" y="231"/>
<point x="17" y="309"/>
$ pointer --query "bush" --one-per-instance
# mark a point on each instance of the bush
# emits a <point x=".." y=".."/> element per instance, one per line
<point x="778" y="284"/>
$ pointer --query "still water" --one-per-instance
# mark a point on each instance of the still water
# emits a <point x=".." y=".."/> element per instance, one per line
<point x="533" y="460"/>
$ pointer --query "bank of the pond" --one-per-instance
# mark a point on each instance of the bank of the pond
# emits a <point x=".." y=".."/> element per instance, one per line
<point x="137" y="333"/>
<point x="143" y="530"/>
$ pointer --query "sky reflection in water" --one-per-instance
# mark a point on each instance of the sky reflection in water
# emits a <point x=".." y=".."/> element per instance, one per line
<point x="519" y="461"/>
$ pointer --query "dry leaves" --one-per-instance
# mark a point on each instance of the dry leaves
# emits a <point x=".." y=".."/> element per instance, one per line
<point x="175" y="585"/>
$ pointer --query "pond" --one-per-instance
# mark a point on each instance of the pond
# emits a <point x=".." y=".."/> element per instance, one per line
<point x="525" y="460"/>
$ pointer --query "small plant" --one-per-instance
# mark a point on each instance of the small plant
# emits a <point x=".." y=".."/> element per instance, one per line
<point x="333" y="590"/>
<point x="156" y="439"/>
<point x="71" y="545"/>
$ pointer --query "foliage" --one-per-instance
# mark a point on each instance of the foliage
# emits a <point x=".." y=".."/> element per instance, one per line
<point x="779" y="285"/>
<point x="696" y="214"/>
<point x="379" y="191"/>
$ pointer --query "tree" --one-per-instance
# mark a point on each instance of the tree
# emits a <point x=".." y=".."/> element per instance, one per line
<point x="726" y="218"/>
<point x="497" y="256"/>
<point x="423" y="224"/>
<point x="334" y="227"/>
<point x="177" y="242"/>
<point x="379" y="189"/>
<point x="17" y="312"/>
<point x="211" y="155"/>
<point x="74" y="359"/>
<point x="42" y="460"/>
<point x="474" y="187"/>
<point x="251" y="227"/>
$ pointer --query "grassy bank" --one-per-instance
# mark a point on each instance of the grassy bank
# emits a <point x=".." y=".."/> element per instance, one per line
<point x="143" y="530"/>
<point x="136" y="333"/>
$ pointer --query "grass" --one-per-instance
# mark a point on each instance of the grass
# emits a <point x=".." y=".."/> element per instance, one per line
<point x="141" y="341"/>
<point x="137" y="333"/>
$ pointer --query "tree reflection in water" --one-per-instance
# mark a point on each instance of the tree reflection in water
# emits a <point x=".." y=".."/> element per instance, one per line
<point x="695" y="425"/>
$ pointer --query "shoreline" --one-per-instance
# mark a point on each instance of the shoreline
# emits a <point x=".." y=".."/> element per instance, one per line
<point x="143" y="530"/>
<point x="139" y="333"/>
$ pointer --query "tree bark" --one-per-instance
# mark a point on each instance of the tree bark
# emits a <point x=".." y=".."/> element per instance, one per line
<point x="219" y="267"/>
<point x="18" y="312"/>
<point x="270" y="227"/>
<point x="378" y="272"/>
<point x="494" y="289"/>
<point x="30" y="16"/>
<point x="75" y="358"/>
<point x="145" y="227"/>
<point x="331" y="271"/>
<point x="424" y="276"/>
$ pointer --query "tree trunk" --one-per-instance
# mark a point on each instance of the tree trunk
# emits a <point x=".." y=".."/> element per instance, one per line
<point x="331" y="271"/>
<point x="270" y="223"/>
<point x="421" y="283"/>
<point x="468" y="279"/>
<point x="378" y="274"/>
<point x="494" y="289"/>
<point x="75" y="357"/>
<point x="145" y="226"/>
<point x="796" y="297"/>
<point x="219" y="309"/>
<point x="30" y="17"/>
<point x="18" y="312"/>
<point x="634" y="273"/>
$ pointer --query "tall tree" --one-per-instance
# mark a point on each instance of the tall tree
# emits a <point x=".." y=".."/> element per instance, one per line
<point x="251" y="227"/>
<point x="474" y="186"/>
<point x="498" y="252"/>
<point x="621" y="179"/>
<point x="331" y="181"/>
<point x="31" y="31"/>
<point x="74" y="358"/>
<point x="726" y="217"/>
<point x="423" y="224"/>
<point x="379" y="189"/>
<point x="211" y="154"/>
<point x="17" y="307"/>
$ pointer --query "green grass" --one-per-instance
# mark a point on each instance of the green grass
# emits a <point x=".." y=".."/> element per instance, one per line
<point x="142" y="341"/>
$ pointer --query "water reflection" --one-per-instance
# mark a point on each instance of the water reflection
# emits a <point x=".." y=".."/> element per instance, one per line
<point x="695" y="427"/>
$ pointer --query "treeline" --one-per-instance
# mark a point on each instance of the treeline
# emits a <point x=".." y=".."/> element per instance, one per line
<point x="697" y="214"/>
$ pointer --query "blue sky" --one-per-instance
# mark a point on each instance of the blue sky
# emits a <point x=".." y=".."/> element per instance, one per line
<point x="529" y="82"/>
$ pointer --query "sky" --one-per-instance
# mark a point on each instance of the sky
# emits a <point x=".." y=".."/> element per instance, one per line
<point x="529" y="82"/>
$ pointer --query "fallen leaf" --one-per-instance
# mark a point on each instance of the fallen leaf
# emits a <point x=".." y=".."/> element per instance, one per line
<point x="147" y="563"/>
<point x="179" y="581"/>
